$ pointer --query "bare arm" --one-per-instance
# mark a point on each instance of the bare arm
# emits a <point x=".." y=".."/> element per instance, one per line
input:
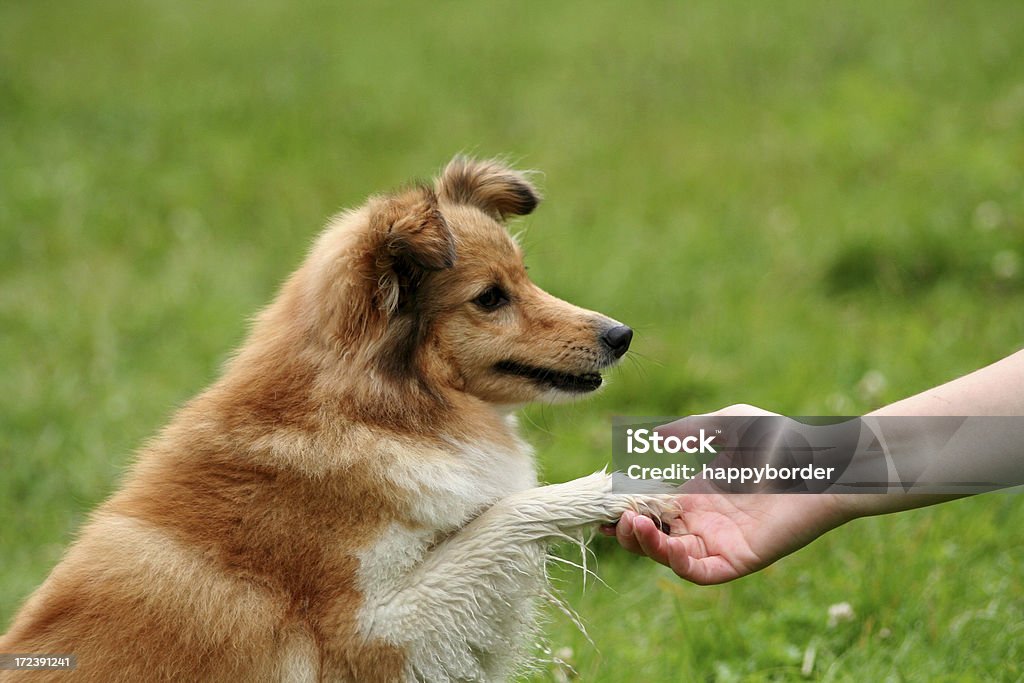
<point x="996" y="389"/>
<point x="719" y="537"/>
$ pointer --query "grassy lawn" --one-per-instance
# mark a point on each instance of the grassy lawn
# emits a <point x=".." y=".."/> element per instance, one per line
<point x="816" y="208"/>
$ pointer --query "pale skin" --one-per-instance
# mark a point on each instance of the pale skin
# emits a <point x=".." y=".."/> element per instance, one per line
<point x="717" y="538"/>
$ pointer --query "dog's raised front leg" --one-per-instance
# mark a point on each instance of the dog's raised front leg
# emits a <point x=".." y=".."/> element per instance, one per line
<point x="466" y="612"/>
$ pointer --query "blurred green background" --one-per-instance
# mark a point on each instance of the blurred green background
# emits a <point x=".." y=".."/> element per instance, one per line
<point x="813" y="207"/>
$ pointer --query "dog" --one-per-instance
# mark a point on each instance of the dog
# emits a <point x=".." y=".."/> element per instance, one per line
<point x="350" y="500"/>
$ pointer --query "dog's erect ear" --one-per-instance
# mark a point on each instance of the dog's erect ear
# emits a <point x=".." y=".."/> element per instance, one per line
<point x="410" y="239"/>
<point x="489" y="186"/>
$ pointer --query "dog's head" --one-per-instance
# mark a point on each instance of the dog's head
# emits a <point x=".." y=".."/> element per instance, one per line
<point x="427" y="286"/>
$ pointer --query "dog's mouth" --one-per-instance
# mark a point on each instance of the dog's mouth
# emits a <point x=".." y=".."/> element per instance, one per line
<point x="563" y="381"/>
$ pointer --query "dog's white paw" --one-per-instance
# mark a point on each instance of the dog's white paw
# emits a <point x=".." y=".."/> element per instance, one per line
<point x="585" y="501"/>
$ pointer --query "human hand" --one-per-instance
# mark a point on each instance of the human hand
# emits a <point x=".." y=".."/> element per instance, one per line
<point x="716" y="536"/>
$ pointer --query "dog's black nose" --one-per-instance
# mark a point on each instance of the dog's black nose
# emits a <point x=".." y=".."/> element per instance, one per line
<point x="617" y="339"/>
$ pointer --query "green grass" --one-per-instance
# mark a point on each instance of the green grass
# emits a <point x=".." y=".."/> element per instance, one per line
<point x="779" y="197"/>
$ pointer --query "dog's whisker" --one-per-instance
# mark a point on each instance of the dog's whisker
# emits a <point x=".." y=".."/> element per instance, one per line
<point x="534" y="424"/>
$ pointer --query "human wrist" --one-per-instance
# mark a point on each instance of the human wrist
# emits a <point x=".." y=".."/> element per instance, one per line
<point x="849" y="506"/>
<point x="839" y="508"/>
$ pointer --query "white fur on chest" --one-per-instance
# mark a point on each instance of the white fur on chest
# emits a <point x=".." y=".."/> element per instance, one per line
<point x="445" y="493"/>
<point x="449" y="488"/>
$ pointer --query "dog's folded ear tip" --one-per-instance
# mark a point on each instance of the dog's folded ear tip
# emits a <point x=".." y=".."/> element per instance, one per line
<point x="528" y="199"/>
<point x="489" y="185"/>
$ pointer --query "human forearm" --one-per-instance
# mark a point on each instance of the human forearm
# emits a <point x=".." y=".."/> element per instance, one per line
<point x="997" y="389"/>
<point x="996" y="451"/>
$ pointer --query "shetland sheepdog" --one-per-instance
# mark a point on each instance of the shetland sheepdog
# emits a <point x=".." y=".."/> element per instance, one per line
<point x="350" y="500"/>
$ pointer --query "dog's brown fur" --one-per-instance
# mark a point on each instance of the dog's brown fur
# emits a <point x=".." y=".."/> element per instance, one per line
<point x="229" y="553"/>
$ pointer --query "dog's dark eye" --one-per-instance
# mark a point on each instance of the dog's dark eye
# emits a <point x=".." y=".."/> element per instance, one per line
<point x="493" y="297"/>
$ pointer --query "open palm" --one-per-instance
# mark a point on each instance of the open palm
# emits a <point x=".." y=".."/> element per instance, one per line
<point x="716" y="537"/>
